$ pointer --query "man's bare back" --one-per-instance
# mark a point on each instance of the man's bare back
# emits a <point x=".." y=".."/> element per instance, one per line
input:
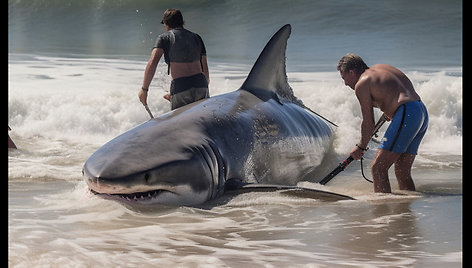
<point x="388" y="87"/>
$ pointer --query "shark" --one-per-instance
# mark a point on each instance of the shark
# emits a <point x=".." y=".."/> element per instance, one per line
<point x="260" y="134"/>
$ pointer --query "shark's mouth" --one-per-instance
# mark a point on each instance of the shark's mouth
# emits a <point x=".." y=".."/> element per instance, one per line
<point x="134" y="197"/>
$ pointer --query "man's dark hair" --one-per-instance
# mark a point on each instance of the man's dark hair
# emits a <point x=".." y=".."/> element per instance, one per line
<point x="173" y="18"/>
<point x="352" y="62"/>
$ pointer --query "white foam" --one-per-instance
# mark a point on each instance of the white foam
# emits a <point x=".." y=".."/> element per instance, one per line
<point x="73" y="106"/>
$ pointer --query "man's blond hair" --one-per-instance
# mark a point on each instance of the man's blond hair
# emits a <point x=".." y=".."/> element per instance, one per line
<point x="352" y="62"/>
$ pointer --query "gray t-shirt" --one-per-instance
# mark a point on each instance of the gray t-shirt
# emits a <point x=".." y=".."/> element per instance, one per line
<point x="181" y="45"/>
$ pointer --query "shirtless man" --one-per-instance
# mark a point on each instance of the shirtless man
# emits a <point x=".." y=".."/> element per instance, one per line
<point x="387" y="88"/>
<point x="185" y="54"/>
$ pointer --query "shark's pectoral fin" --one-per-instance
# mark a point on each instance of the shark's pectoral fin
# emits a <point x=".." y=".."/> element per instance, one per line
<point x="301" y="192"/>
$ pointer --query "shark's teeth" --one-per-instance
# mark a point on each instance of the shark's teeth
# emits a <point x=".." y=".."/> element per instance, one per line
<point x="140" y="196"/>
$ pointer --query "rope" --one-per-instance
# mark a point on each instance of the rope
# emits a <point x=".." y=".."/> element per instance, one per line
<point x="362" y="171"/>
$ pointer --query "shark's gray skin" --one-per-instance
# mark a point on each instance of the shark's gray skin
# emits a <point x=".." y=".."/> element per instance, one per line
<point x="260" y="133"/>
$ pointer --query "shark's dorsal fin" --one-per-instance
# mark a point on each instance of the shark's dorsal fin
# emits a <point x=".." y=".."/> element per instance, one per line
<point x="268" y="76"/>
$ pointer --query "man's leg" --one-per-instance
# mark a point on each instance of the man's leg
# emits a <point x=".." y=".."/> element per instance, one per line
<point x="403" y="171"/>
<point x="382" y="162"/>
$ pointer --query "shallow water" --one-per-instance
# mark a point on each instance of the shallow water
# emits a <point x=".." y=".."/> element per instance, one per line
<point x="59" y="223"/>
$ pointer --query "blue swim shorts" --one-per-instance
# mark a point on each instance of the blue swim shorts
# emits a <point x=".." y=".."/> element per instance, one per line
<point x="407" y="128"/>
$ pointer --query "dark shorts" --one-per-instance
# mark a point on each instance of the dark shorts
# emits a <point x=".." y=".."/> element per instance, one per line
<point x="407" y="128"/>
<point x="185" y="90"/>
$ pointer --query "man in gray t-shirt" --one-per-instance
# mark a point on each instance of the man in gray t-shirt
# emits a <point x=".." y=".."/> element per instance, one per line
<point x="185" y="54"/>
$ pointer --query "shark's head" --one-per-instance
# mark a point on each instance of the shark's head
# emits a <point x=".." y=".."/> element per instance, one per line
<point x="156" y="162"/>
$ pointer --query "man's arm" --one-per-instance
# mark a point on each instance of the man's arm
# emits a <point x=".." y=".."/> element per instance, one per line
<point x="205" y="68"/>
<point x="149" y="73"/>
<point x="367" y="110"/>
<point x="368" y="124"/>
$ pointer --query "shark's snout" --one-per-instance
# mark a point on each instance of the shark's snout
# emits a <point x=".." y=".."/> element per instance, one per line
<point x="183" y="182"/>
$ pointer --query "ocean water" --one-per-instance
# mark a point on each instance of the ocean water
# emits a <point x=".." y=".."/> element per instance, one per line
<point x="75" y="69"/>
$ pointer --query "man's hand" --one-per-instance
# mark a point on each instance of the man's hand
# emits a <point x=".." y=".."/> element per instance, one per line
<point x="357" y="153"/>
<point x="167" y="96"/>
<point x="143" y="96"/>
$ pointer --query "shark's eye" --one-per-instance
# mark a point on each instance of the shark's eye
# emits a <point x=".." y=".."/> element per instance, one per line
<point x="146" y="176"/>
